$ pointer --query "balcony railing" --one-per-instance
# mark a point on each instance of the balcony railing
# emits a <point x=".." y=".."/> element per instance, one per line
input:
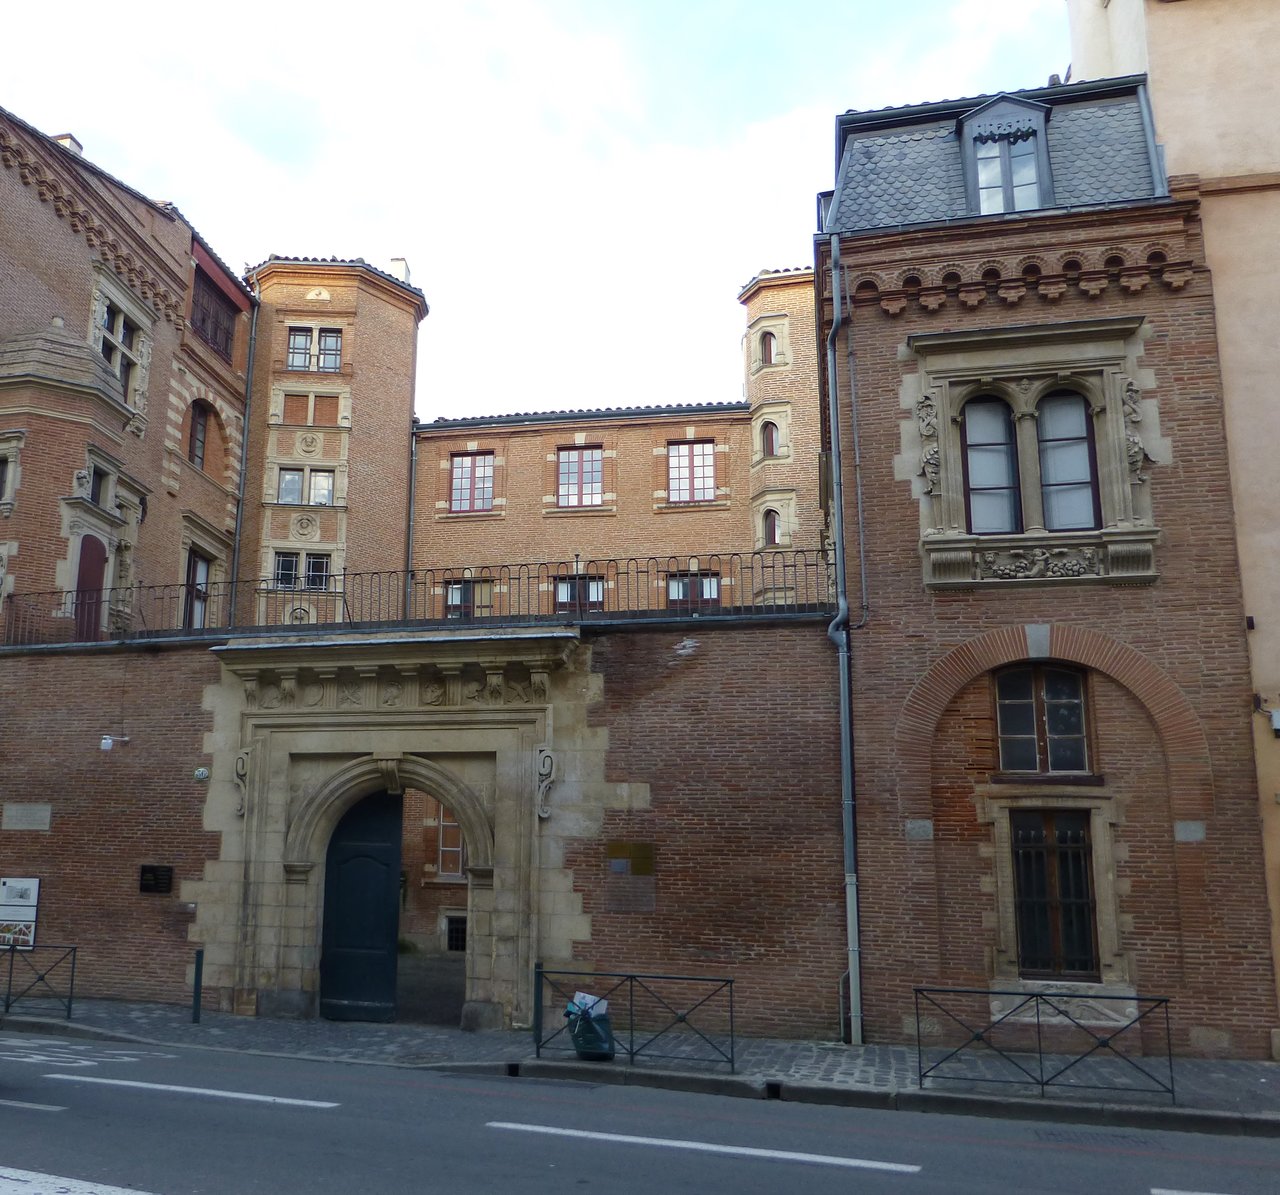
<point x="768" y="584"/>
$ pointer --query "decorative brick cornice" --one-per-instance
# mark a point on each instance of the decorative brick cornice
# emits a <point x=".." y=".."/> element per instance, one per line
<point x="141" y="278"/>
<point x="1043" y="257"/>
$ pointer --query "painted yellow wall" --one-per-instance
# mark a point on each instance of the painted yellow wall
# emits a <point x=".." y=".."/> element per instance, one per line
<point x="1214" y="68"/>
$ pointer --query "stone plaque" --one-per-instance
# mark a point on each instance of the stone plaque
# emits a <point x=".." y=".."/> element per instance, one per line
<point x="26" y="815"/>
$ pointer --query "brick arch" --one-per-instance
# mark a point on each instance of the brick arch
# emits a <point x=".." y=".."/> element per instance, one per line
<point x="1186" y="747"/>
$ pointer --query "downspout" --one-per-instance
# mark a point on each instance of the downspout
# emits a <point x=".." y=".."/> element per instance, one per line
<point x="839" y="634"/>
<point x="244" y="461"/>
<point x="408" y="522"/>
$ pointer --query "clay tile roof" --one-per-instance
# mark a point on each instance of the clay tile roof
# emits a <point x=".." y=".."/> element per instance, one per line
<point x="355" y="262"/>
<point x="601" y="413"/>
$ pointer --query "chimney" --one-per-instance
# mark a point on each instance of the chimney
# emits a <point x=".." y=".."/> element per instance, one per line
<point x="399" y="269"/>
<point x="71" y="142"/>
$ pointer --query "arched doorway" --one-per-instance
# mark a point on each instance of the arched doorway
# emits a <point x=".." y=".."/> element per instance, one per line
<point x="362" y="885"/>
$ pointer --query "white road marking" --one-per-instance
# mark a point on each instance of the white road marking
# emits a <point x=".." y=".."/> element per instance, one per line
<point x="226" y="1095"/>
<point x="69" y="1054"/>
<point x="1171" y="1191"/>
<point x="34" y="1107"/>
<point x="742" y="1151"/>
<point x="31" y="1182"/>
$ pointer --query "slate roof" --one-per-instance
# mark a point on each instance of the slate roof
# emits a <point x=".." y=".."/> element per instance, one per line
<point x="581" y="416"/>
<point x="904" y="166"/>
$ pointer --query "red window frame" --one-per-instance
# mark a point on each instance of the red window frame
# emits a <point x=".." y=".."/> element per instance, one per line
<point x="580" y="476"/>
<point x="471" y="482"/>
<point x="691" y="471"/>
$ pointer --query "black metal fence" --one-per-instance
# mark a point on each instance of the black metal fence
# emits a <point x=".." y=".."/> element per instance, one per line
<point x="681" y="1018"/>
<point x="717" y="585"/>
<point x="1064" y="1041"/>
<point x="42" y="976"/>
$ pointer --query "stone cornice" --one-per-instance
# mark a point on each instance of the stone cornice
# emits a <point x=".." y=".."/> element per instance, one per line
<point x="98" y="233"/>
<point x="546" y="650"/>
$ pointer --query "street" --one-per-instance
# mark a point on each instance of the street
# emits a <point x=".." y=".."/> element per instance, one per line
<point x="86" y="1117"/>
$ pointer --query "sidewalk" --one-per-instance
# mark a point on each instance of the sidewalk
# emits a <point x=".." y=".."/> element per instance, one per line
<point x="1216" y="1096"/>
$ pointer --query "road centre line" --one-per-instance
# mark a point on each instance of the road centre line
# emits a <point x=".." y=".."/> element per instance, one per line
<point x="32" y="1107"/>
<point x="32" y="1182"/>
<point x="778" y="1155"/>
<point x="226" y="1095"/>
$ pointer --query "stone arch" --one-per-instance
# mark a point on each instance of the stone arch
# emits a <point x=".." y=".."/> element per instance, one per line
<point x="1186" y="746"/>
<point x="319" y="812"/>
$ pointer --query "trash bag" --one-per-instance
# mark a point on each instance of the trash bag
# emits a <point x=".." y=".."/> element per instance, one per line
<point x="590" y="1028"/>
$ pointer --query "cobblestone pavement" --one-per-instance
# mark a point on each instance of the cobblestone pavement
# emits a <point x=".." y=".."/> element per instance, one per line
<point x="1241" y="1087"/>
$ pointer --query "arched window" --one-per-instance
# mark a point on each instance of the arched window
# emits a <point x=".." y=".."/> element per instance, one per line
<point x="198" y="433"/>
<point x="1068" y="475"/>
<point x="768" y="345"/>
<point x="991" y="468"/>
<point x="769" y="438"/>
<point x="772" y="528"/>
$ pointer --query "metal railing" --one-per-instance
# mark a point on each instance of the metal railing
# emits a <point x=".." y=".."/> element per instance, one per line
<point x="1067" y="1041"/>
<point x="652" y="1016"/>
<point x="30" y="977"/>
<point x="715" y="585"/>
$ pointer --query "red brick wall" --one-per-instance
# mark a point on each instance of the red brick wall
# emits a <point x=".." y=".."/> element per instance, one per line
<point x="739" y="745"/>
<point x="111" y="811"/>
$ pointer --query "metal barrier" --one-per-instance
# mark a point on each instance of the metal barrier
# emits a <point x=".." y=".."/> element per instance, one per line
<point x="645" y="1010"/>
<point x="716" y="585"/>
<point x="27" y="979"/>
<point x="1062" y="1040"/>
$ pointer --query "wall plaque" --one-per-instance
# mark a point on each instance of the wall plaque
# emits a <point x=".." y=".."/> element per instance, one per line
<point x="26" y="815"/>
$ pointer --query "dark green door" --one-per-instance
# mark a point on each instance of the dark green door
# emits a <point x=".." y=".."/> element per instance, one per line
<point x="362" y="913"/>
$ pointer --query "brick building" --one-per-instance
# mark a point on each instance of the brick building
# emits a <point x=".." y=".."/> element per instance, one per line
<point x="123" y="345"/>
<point x="1054" y="777"/>
<point x="287" y="675"/>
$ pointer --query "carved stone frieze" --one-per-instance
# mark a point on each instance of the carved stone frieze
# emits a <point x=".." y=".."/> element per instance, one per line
<point x="1116" y="558"/>
<point x="1034" y="563"/>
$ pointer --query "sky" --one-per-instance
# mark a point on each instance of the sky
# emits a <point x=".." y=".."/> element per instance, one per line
<point x="581" y="188"/>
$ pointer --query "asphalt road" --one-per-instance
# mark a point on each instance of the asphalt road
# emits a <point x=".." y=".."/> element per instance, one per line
<point x="81" y="1118"/>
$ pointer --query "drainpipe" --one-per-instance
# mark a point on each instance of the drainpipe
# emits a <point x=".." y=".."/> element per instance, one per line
<point x="408" y="522"/>
<point x="839" y="634"/>
<point x="244" y="461"/>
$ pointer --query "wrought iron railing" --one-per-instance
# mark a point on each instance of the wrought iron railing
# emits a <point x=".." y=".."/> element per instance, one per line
<point x="682" y="1018"/>
<point x="717" y="585"/>
<point x="40" y="975"/>
<point x="1065" y="1041"/>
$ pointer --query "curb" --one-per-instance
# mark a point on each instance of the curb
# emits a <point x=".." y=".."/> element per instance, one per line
<point x="57" y="1028"/>
<point x="760" y="1087"/>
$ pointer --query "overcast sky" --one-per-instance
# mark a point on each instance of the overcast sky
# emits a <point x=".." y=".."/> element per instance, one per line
<point x="581" y="187"/>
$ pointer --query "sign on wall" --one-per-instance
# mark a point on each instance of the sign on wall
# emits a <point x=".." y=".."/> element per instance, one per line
<point x="18" y="901"/>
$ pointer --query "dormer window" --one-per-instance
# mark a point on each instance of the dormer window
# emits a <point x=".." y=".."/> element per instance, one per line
<point x="1006" y="159"/>
<point x="1007" y="179"/>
